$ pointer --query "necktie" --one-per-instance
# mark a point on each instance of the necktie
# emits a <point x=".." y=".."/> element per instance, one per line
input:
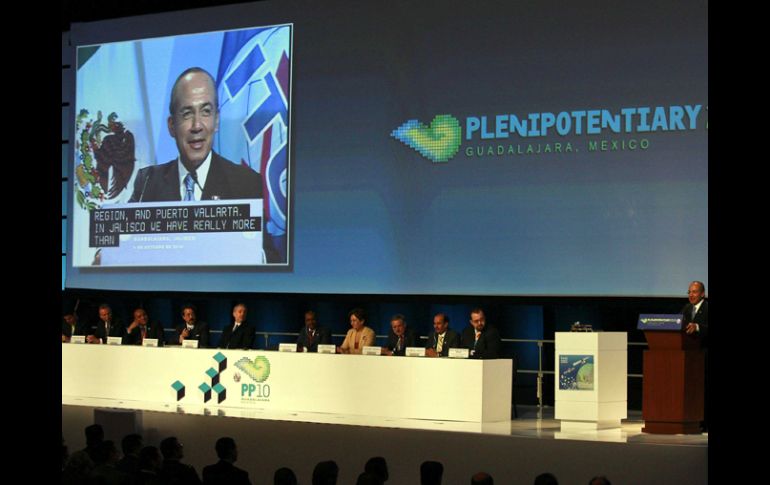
<point x="400" y="342"/>
<point x="189" y="185"/>
<point x="440" y="344"/>
<point x="144" y="334"/>
<point x="310" y="336"/>
<point x="694" y="311"/>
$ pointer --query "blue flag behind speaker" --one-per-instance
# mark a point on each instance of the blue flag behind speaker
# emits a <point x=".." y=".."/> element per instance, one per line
<point x="253" y="83"/>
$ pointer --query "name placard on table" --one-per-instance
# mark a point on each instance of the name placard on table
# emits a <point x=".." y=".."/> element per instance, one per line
<point x="415" y="352"/>
<point x="189" y="344"/>
<point x="327" y="349"/>
<point x="459" y="353"/>
<point x="287" y="347"/>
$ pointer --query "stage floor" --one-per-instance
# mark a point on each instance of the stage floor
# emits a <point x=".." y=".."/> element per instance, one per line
<point x="513" y="451"/>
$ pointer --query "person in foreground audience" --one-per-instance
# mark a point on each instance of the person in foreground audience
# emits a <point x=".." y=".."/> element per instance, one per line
<point x="140" y="329"/>
<point x="369" y="479"/>
<point x="239" y="335"/>
<point x="482" y="339"/>
<point x="224" y="472"/>
<point x="312" y="334"/>
<point x="359" y="336"/>
<point x="377" y="466"/>
<point x="284" y="476"/>
<point x="173" y="470"/>
<point x="325" y="473"/>
<point x="400" y="337"/>
<point x="94" y="437"/>
<point x="192" y="329"/>
<point x="546" y="479"/>
<point x="150" y="463"/>
<point x="131" y="444"/>
<point x="442" y="338"/>
<point x="482" y="478"/>
<point x="105" y="471"/>
<point x="431" y="473"/>
<point x="600" y="480"/>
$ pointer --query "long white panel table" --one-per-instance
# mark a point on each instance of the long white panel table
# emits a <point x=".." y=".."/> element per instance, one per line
<point x="398" y="387"/>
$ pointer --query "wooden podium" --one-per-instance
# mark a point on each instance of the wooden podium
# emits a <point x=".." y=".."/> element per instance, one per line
<point x="674" y="375"/>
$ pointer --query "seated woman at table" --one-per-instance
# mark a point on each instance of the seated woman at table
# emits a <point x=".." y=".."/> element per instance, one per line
<point x="359" y="336"/>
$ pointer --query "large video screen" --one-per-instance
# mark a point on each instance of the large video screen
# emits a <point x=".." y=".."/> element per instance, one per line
<point x="182" y="150"/>
<point x="479" y="148"/>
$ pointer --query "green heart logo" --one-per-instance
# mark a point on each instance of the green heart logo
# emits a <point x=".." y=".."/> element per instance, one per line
<point x="439" y="142"/>
<point x="259" y="369"/>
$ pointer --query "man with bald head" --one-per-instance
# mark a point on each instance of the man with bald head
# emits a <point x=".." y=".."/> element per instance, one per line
<point x="140" y="329"/>
<point x="198" y="173"/>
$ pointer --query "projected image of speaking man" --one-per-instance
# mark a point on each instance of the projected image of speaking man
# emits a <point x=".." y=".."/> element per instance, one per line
<point x="198" y="173"/>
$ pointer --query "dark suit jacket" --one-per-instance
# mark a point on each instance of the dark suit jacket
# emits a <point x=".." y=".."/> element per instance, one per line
<point x="116" y="330"/>
<point x="175" y="473"/>
<point x="225" y="473"/>
<point x="451" y="341"/>
<point x="701" y="318"/>
<point x="322" y="336"/>
<point x="410" y="340"/>
<point x="242" y="338"/>
<point x="225" y="180"/>
<point x="154" y="330"/>
<point x="488" y="345"/>
<point x="80" y="329"/>
<point x="200" y="332"/>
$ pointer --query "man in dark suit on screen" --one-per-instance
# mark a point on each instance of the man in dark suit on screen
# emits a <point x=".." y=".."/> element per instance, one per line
<point x="198" y="173"/>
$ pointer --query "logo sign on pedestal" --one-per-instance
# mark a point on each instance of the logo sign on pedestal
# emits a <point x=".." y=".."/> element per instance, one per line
<point x="576" y="372"/>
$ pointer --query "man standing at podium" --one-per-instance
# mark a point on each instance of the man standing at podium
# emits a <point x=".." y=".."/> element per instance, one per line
<point x="696" y="316"/>
<point x="696" y="313"/>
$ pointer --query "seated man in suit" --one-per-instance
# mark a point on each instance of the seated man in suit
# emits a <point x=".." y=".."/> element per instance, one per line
<point x="192" y="329"/>
<point x="312" y="334"/>
<point x="482" y="340"/>
<point x="140" y="329"/>
<point x="400" y="337"/>
<point x="239" y="335"/>
<point x="70" y="326"/>
<point x="442" y="338"/>
<point x="224" y="472"/>
<point x="199" y="173"/>
<point x="107" y="327"/>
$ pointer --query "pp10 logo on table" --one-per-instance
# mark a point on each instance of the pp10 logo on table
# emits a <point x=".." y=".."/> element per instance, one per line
<point x="258" y="371"/>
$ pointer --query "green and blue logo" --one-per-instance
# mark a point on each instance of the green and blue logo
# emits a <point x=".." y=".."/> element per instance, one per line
<point x="438" y="142"/>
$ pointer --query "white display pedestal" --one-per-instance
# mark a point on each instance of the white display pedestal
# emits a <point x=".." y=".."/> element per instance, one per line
<point x="590" y="384"/>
